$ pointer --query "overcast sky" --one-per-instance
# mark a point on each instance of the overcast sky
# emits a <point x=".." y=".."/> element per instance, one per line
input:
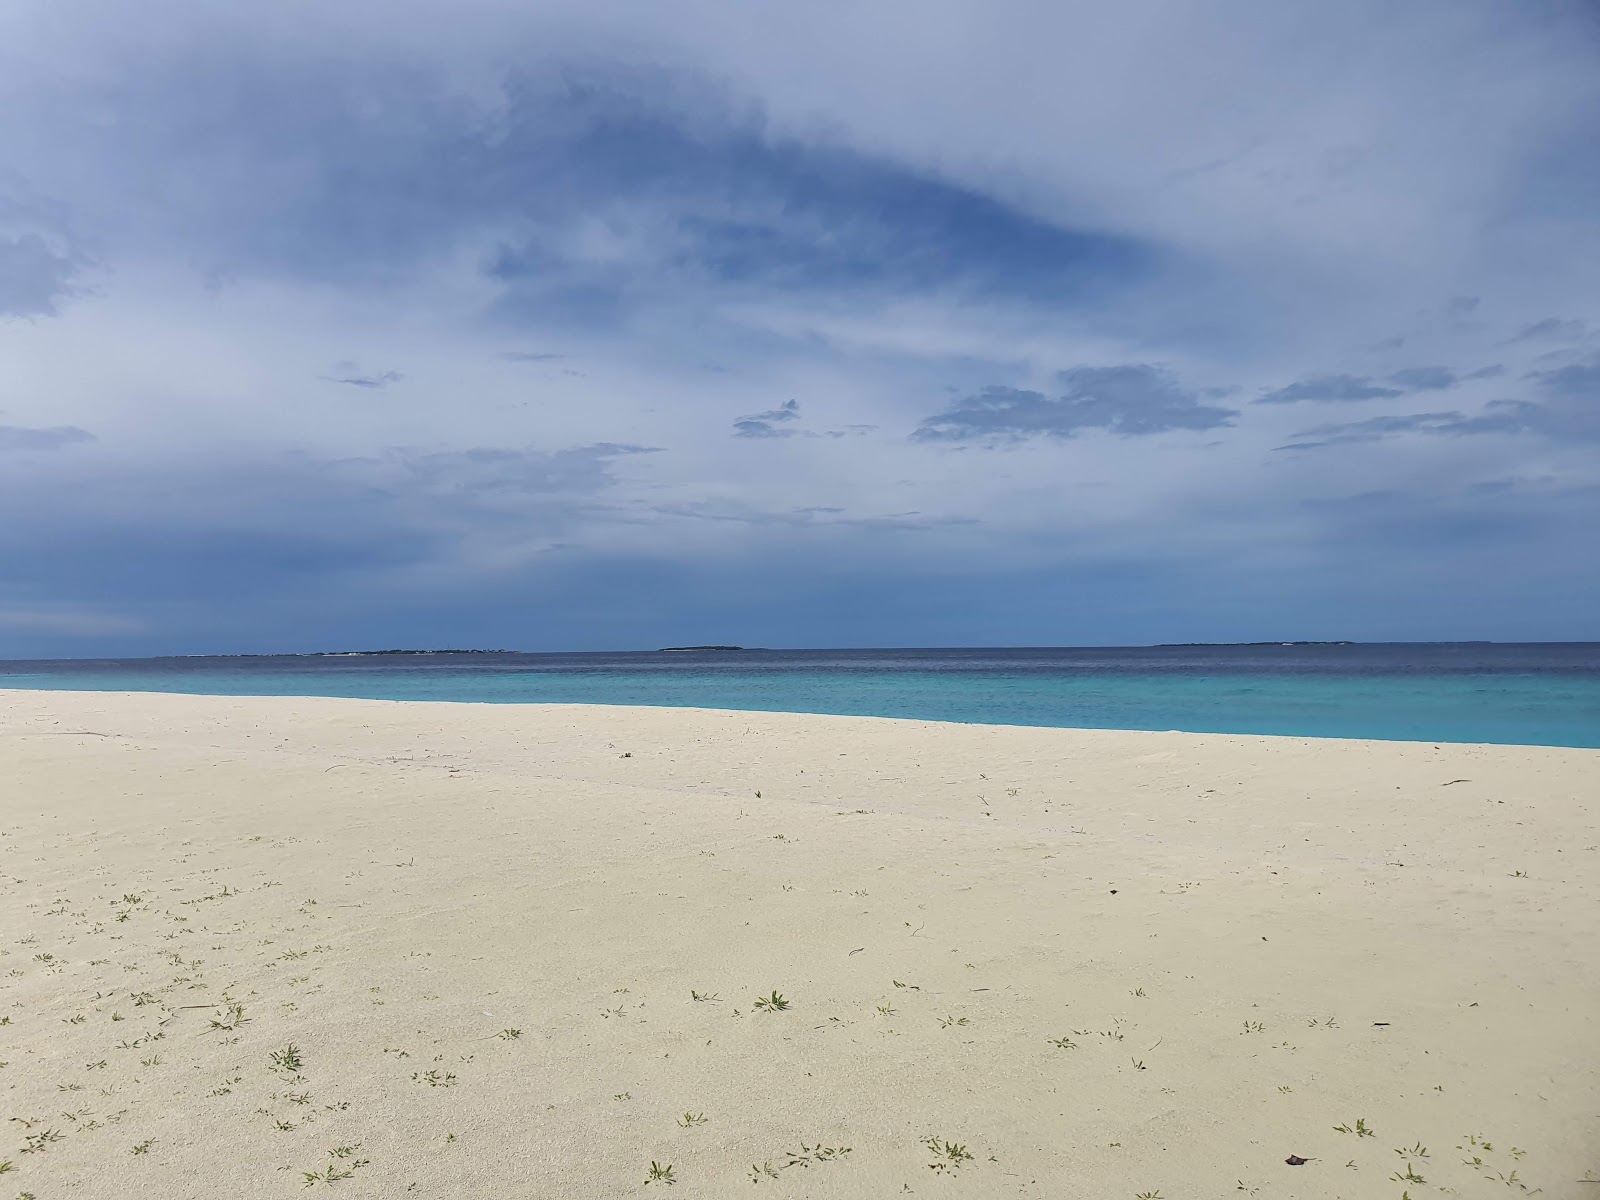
<point x="557" y="325"/>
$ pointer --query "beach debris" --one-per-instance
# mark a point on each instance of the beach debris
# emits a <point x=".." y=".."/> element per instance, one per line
<point x="1294" y="1160"/>
<point x="1455" y="781"/>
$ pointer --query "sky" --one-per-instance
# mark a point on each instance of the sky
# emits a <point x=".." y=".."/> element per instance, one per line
<point x="558" y="326"/>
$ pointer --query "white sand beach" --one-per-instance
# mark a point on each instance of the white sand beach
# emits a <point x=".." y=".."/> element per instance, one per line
<point x="255" y="947"/>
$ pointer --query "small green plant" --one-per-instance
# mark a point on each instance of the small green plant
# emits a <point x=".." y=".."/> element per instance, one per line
<point x="807" y="1155"/>
<point x="886" y="1010"/>
<point x="288" y="1059"/>
<point x="946" y="1022"/>
<point x="1416" y="1151"/>
<point x="704" y="997"/>
<point x="1155" y="1195"/>
<point x="143" y="1147"/>
<point x="343" y="1165"/>
<point x="772" y="1003"/>
<point x="1063" y="1043"/>
<point x="761" y="1171"/>
<point x="689" y="1120"/>
<point x="660" y="1174"/>
<point x="1360" y="1129"/>
<point x="231" y="1019"/>
<point x="38" y="1143"/>
<point x="947" y="1156"/>
<point x="434" y="1078"/>
<point x="1410" y="1176"/>
<point x="1254" y="1027"/>
<point x="509" y="1035"/>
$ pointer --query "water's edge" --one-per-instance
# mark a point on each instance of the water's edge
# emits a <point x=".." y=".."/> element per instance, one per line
<point x="1509" y="695"/>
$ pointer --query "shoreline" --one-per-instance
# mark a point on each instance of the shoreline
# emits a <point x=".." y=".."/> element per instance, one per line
<point x="933" y="721"/>
<point x="1101" y="962"/>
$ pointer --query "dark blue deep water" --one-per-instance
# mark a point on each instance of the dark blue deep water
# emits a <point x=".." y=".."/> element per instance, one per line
<point x="1540" y="694"/>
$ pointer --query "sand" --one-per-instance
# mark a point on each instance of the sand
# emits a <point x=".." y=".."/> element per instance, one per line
<point x="250" y="947"/>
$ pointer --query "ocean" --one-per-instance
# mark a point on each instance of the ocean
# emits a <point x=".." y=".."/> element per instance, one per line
<point x="1532" y="694"/>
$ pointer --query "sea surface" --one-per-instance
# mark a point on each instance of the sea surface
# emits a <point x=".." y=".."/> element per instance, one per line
<point x="1535" y="694"/>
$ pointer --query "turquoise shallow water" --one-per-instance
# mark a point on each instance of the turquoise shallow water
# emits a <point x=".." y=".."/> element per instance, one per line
<point x="1544" y="694"/>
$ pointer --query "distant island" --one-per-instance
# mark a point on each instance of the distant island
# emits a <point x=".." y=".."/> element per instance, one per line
<point x="688" y="649"/>
<point x="371" y="653"/>
<point x="1192" y="645"/>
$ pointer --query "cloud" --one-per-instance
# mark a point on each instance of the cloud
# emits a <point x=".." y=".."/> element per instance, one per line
<point x="262" y="195"/>
<point x="22" y="437"/>
<point x="273" y="533"/>
<point x="1551" y="329"/>
<point x="809" y="517"/>
<point x="1438" y="379"/>
<point x="354" y="378"/>
<point x="1571" y="413"/>
<point x="34" y="276"/>
<point x="1131" y="401"/>
<point x="1329" y="388"/>
<point x="491" y="473"/>
<point x="74" y="624"/>
<point x="769" y="424"/>
<point x="1575" y="384"/>
<point x="1375" y="429"/>
<point x="1425" y="379"/>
